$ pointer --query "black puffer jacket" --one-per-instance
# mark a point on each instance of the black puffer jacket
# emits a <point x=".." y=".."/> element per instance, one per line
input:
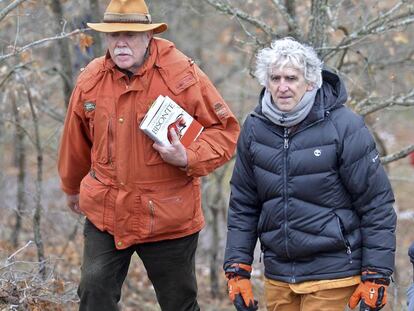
<point x="317" y="197"/>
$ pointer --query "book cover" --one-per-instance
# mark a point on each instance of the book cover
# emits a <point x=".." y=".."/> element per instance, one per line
<point x="165" y="114"/>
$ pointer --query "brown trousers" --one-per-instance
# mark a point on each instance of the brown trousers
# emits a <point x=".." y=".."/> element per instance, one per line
<point x="283" y="298"/>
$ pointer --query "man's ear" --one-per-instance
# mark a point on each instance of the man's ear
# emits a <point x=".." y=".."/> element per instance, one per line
<point x="310" y="87"/>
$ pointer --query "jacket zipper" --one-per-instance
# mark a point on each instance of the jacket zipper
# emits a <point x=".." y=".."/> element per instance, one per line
<point x="110" y="141"/>
<point x="261" y="253"/>
<point x="152" y="215"/>
<point x="345" y="241"/>
<point x="285" y="195"/>
<point x="349" y="252"/>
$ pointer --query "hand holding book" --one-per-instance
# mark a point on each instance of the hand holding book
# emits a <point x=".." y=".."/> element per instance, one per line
<point x="173" y="154"/>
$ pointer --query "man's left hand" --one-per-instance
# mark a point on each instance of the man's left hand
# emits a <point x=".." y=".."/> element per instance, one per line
<point x="175" y="153"/>
<point x="372" y="293"/>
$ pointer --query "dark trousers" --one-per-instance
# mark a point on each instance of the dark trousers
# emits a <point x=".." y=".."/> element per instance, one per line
<point x="170" y="266"/>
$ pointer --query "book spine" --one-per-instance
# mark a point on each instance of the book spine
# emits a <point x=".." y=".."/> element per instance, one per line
<point x="192" y="133"/>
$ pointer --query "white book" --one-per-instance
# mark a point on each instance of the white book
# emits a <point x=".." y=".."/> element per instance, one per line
<point x="165" y="114"/>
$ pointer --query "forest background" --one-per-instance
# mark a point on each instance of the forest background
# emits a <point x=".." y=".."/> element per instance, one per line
<point x="45" y="43"/>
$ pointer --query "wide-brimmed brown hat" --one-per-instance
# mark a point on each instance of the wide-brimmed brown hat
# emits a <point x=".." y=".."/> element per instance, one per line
<point x="127" y="15"/>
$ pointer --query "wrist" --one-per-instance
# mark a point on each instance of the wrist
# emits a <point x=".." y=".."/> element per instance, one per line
<point x="72" y="197"/>
<point x="238" y="270"/>
<point x="375" y="277"/>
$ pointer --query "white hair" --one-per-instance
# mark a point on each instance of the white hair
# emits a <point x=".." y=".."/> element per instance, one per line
<point x="289" y="52"/>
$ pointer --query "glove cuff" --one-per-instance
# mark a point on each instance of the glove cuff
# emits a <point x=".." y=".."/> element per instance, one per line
<point x="375" y="277"/>
<point x="238" y="269"/>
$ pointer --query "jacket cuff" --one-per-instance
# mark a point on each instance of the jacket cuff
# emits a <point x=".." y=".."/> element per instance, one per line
<point x="70" y="191"/>
<point x="239" y="269"/>
<point x="191" y="161"/>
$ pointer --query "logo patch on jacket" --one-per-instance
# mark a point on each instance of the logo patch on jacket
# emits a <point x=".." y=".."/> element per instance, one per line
<point x="185" y="82"/>
<point x="89" y="106"/>
<point x="317" y="152"/>
<point x="221" y="111"/>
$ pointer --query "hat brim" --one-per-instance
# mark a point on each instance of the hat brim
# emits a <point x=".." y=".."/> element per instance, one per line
<point x="134" y="27"/>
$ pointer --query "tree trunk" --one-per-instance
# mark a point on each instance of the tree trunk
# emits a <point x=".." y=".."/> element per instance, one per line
<point x="65" y="70"/>
<point x="38" y="185"/>
<point x="2" y="153"/>
<point x="96" y="17"/>
<point x="214" y="279"/>
<point x="216" y="207"/>
<point x="291" y="9"/>
<point x="20" y="163"/>
<point x="318" y="23"/>
<point x="212" y="205"/>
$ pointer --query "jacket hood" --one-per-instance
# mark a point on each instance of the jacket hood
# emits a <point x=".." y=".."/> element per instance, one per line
<point x="332" y="92"/>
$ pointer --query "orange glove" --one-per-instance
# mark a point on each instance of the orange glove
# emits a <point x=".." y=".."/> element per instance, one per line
<point x="240" y="287"/>
<point x="372" y="292"/>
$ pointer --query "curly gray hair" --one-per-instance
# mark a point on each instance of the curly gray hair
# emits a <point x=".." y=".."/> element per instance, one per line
<point x="289" y="52"/>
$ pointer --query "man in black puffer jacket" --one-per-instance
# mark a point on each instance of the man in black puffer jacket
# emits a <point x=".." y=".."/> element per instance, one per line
<point x="309" y="184"/>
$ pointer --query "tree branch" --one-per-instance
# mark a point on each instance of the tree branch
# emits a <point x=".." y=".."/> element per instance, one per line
<point x="21" y="128"/>
<point x="11" y="257"/>
<point x="397" y="155"/>
<point x="42" y="41"/>
<point x="230" y="10"/>
<point x="11" y="72"/>
<point x="290" y="20"/>
<point x="249" y="34"/>
<point x="370" y="105"/>
<point x="9" y="8"/>
<point x="384" y="16"/>
<point x="378" y="25"/>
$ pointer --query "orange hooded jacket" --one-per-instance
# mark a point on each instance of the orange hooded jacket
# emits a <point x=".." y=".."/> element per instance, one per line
<point x="125" y="187"/>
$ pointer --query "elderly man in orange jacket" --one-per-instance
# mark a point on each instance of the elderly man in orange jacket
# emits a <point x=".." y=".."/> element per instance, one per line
<point x="139" y="196"/>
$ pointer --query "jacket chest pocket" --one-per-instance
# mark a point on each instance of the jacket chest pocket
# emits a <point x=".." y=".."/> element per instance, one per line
<point x="90" y="116"/>
<point x="103" y="134"/>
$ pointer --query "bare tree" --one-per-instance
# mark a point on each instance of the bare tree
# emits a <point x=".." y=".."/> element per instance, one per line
<point x="97" y="42"/>
<point x="215" y="203"/>
<point x="20" y="162"/>
<point x="65" y="68"/>
<point x="39" y="179"/>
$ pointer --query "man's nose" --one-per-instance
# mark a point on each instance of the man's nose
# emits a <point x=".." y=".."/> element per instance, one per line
<point x="120" y="43"/>
<point x="283" y="87"/>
